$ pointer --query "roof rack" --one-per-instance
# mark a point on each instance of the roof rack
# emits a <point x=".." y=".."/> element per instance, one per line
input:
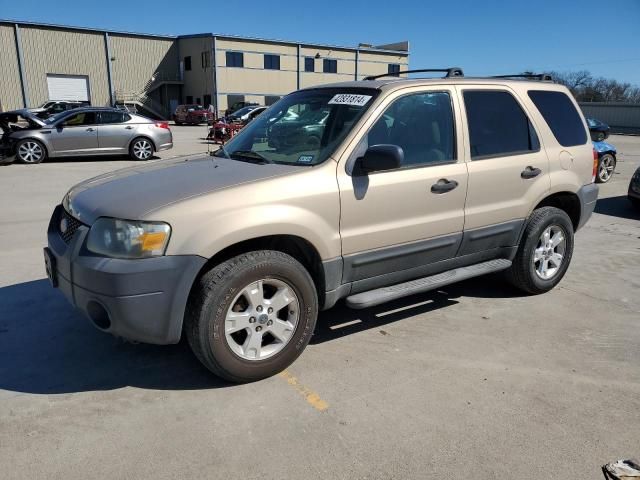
<point x="543" y="77"/>
<point x="450" y="72"/>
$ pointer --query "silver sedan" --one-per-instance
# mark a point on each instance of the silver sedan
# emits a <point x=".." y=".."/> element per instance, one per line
<point x="88" y="131"/>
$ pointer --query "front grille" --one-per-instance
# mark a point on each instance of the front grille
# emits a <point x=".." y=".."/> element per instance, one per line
<point x="72" y="224"/>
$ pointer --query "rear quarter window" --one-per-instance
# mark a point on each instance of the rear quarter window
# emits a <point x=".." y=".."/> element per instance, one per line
<point x="561" y="116"/>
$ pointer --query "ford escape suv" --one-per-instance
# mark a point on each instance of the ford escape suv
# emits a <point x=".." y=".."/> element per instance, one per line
<point x="395" y="186"/>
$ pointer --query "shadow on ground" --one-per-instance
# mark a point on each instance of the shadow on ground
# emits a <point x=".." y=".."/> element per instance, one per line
<point x="617" y="207"/>
<point x="46" y="347"/>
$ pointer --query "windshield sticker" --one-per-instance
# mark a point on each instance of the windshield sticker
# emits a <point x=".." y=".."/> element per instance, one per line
<point x="350" y="99"/>
<point x="305" y="159"/>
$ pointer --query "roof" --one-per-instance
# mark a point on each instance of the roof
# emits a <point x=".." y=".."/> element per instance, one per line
<point x="395" y="48"/>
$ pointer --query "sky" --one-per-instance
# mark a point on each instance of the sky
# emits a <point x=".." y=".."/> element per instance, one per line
<point x="484" y="37"/>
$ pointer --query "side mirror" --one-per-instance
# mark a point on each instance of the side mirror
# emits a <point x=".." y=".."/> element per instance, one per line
<point x="382" y="157"/>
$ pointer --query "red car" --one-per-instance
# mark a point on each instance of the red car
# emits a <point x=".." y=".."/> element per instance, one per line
<point x="192" y="114"/>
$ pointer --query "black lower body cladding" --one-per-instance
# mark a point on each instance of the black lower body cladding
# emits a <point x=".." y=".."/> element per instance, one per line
<point x="142" y="300"/>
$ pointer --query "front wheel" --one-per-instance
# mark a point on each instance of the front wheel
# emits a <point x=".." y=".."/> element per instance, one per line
<point x="251" y="316"/>
<point x="606" y="167"/>
<point x="141" y="149"/>
<point x="544" y="252"/>
<point x="30" y="151"/>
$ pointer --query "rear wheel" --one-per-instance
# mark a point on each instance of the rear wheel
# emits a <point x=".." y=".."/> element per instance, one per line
<point x="141" y="149"/>
<point x="30" y="151"/>
<point x="606" y="167"/>
<point x="544" y="252"/>
<point x="251" y="316"/>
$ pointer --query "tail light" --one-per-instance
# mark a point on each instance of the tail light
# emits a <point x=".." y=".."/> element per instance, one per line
<point x="595" y="166"/>
<point x="166" y="125"/>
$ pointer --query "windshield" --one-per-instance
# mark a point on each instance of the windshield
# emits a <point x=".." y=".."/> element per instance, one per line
<point x="303" y="128"/>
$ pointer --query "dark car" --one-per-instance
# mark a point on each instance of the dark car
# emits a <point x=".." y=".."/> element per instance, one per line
<point x="246" y="114"/>
<point x="606" y="161"/>
<point x="298" y="130"/>
<point x="193" y="114"/>
<point x="53" y="107"/>
<point x="237" y="106"/>
<point x="599" y="130"/>
<point x="634" y="189"/>
<point x="7" y="144"/>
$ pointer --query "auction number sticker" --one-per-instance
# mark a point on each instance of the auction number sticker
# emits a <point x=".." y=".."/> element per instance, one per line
<point x="350" y="99"/>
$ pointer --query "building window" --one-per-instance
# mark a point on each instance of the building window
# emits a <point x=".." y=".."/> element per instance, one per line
<point x="329" y="66"/>
<point x="207" y="100"/>
<point x="309" y="64"/>
<point x="394" y="69"/>
<point x="235" y="59"/>
<point x="187" y="63"/>
<point x="271" y="62"/>
<point x="205" y="57"/>
<point x="270" y="99"/>
<point x="189" y="99"/>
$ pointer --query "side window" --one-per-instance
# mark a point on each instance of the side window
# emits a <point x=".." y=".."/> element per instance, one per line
<point x="422" y="125"/>
<point x="79" y="119"/>
<point x="110" y="117"/>
<point x="497" y="125"/>
<point x="561" y="116"/>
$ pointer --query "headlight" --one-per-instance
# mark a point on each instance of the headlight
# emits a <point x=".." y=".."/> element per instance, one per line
<point x="128" y="239"/>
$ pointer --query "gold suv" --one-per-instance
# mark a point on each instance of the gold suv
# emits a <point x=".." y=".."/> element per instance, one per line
<point x="365" y="191"/>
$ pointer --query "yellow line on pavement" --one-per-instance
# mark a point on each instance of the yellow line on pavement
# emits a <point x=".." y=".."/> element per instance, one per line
<point x="309" y="395"/>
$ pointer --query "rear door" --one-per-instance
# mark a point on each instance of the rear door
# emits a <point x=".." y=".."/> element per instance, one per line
<point x="114" y="134"/>
<point x="76" y="134"/>
<point x="508" y="169"/>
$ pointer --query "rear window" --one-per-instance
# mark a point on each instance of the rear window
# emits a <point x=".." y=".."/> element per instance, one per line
<point x="561" y="116"/>
<point x="497" y="125"/>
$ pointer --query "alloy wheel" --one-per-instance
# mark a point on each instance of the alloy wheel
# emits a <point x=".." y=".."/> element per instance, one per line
<point x="549" y="253"/>
<point x="30" y="152"/>
<point x="605" y="170"/>
<point x="142" y="149"/>
<point x="262" y="319"/>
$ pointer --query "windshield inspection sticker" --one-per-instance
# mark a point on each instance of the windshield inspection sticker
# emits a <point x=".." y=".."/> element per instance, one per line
<point x="305" y="159"/>
<point x="350" y="99"/>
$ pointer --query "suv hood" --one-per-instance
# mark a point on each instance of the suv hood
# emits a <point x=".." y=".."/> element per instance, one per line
<point x="133" y="193"/>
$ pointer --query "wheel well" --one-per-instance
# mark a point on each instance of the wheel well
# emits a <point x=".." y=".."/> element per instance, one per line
<point x="146" y="138"/>
<point x="297" y="247"/>
<point x="566" y="201"/>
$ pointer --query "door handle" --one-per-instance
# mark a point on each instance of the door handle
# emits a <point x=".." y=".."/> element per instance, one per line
<point x="91" y="129"/>
<point x="530" y="172"/>
<point x="128" y="127"/>
<point x="443" y="186"/>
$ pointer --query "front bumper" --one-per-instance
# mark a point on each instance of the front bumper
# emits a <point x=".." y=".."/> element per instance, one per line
<point x="588" y="195"/>
<point x="142" y="300"/>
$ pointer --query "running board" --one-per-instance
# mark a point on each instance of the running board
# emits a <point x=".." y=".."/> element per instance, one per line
<point x="386" y="294"/>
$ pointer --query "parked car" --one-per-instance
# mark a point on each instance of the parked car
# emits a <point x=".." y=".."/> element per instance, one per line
<point x="86" y="132"/>
<point x="53" y="107"/>
<point x="599" y="131"/>
<point x="606" y="161"/>
<point x="634" y="189"/>
<point x="400" y="196"/>
<point x="192" y="114"/>
<point x="297" y="130"/>
<point x="246" y="114"/>
<point x="237" y="106"/>
<point x="7" y="145"/>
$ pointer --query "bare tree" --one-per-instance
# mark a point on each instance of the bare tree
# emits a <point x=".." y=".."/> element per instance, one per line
<point x="587" y="88"/>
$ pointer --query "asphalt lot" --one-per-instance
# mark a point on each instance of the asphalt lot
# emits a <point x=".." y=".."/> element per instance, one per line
<point x="475" y="381"/>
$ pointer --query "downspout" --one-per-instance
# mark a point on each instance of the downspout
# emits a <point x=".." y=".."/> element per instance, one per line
<point x="214" y="49"/>
<point x="107" y="49"/>
<point x="299" y="73"/>
<point x="23" y="78"/>
<point x="357" y="59"/>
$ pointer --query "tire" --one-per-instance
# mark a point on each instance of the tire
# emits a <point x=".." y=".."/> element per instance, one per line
<point x="606" y="167"/>
<point x="30" y="151"/>
<point x="141" y="149"/>
<point x="224" y="346"/>
<point x="526" y="273"/>
<point x="177" y="122"/>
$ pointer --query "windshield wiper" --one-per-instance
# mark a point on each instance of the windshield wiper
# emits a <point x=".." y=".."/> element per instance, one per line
<point x="249" y="155"/>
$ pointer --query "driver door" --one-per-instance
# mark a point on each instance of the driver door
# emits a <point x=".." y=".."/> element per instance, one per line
<point x="75" y="134"/>
<point x="395" y="223"/>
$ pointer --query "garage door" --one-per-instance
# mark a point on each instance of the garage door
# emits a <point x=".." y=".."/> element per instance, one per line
<point x="68" y="87"/>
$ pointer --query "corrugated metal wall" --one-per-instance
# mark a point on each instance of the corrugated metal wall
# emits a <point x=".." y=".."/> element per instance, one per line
<point x="64" y="52"/>
<point x="621" y="117"/>
<point x="137" y="59"/>
<point x="10" y="90"/>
